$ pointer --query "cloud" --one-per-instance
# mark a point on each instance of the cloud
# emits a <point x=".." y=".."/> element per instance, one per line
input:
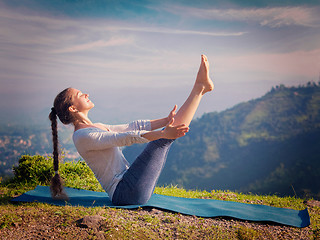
<point x="176" y="31"/>
<point x="271" y="17"/>
<point x="115" y="41"/>
<point x="118" y="41"/>
<point x="37" y="33"/>
<point x="299" y="16"/>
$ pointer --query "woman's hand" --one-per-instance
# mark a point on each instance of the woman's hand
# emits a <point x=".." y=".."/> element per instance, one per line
<point x="172" y="113"/>
<point x="170" y="131"/>
<point x="162" y="122"/>
<point x="173" y="132"/>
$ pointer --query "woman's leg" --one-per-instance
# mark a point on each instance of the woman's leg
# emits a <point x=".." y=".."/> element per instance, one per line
<point x="137" y="184"/>
<point x="202" y="85"/>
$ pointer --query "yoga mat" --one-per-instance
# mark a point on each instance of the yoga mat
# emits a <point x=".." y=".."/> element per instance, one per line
<point x="188" y="206"/>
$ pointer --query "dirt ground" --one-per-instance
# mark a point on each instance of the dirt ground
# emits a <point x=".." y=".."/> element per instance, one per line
<point x="107" y="223"/>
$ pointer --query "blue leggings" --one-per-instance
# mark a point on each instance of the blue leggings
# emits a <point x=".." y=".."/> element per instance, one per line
<point x="138" y="183"/>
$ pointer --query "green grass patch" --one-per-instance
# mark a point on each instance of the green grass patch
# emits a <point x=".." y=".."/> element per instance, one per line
<point x="38" y="170"/>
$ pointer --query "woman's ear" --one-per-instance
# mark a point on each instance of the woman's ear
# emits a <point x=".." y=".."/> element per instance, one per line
<point x="73" y="109"/>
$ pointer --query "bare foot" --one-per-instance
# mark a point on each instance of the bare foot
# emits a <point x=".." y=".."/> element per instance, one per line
<point x="203" y="80"/>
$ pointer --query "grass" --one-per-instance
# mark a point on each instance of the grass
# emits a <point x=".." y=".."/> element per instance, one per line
<point x="37" y="220"/>
<point x="141" y="224"/>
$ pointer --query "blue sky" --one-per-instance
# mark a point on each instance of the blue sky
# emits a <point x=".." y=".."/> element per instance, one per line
<point x="137" y="59"/>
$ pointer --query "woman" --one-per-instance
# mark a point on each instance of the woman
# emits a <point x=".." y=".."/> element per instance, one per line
<point x="98" y="143"/>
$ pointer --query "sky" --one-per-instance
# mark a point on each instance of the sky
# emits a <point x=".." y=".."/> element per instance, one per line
<point x="137" y="59"/>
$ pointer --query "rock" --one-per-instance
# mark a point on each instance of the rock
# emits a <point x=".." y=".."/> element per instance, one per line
<point x="94" y="222"/>
<point x="312" y="203"/>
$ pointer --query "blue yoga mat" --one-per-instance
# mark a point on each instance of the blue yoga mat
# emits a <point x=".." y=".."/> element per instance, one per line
<point x="188" y="206"/>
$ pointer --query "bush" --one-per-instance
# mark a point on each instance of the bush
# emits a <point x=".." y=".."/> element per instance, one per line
<point x="38" y="170"/>
<point x="33" y="170"/>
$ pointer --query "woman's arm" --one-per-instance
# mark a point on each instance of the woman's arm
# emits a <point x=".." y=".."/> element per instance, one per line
<point x="96" y="139"/>
<point x="132" y="126"/>
<point x="162" y="122"/>
<point x="170" y="132"/>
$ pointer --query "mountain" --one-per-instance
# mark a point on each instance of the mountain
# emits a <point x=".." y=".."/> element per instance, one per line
<point x="269" y="145"/>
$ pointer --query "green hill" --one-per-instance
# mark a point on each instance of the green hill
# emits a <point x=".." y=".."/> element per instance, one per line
<point x="267" y="145"/>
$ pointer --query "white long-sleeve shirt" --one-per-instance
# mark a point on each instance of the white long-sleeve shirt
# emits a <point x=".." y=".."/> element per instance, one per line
<point x="101" y="150"/>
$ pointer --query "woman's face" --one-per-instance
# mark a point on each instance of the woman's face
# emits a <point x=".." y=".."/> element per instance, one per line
<point x="81" y="101"/>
